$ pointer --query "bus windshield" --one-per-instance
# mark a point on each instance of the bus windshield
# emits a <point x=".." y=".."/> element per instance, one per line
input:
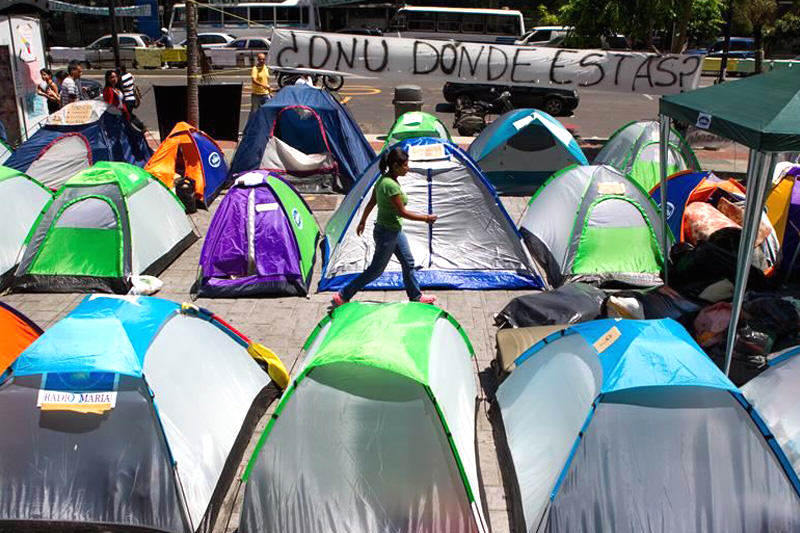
<point x="453" y="23"/>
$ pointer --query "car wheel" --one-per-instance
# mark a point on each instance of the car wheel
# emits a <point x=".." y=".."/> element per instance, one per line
<point x="554" y="106"/>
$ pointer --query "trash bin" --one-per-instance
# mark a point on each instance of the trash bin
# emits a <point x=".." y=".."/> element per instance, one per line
<point x="407" y="98"/>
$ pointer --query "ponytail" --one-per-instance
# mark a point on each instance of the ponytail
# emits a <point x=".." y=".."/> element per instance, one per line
<point x="390" y="158"/>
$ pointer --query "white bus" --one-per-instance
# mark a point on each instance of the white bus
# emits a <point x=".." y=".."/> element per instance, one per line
<point x="245" y="19"/>
<point x="460" y="24"/>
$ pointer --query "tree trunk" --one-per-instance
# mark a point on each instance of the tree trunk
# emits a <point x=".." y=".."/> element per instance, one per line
<point x="723" y="64"/>
<point x="758" y="34"/>
<point x="192" y="66"/>
<point x="112" y="15"/>
<point x="684" y="12"/>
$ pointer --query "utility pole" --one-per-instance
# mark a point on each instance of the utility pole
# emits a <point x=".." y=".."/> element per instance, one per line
<point x="192" y="63"/>
<point x="726" y="48"/>
<point x="112" y="13"/>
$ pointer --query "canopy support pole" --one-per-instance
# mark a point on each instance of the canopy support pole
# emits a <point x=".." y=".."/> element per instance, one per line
<point x="664" y="123"/>
<point x="759" y="174"/>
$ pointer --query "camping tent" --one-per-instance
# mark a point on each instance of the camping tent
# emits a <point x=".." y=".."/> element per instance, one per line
<point x="522" y="148"/>
<point x="17" y="332"/>
<point x="202" y="160"/>
<point x="472" y="245"/>
<point x="634" y="150"/>
<point x="105" y="225"/>
<point x="739" y="111"/>
<point x="21" y="201"/>
<point x="76" y="136"/>
<point x="413" y="124"/>
<point x="376" y="432"/>
<point x="131" y="413"/>
<point x="630" y="426"/>
<point x="591" y="223"/>
<point x="304" y="131"/>
<point x="262" y="240"/>
<point x="774" y="394"/>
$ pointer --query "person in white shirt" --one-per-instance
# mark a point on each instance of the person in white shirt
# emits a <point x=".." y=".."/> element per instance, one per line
<point x="70" y="87"/>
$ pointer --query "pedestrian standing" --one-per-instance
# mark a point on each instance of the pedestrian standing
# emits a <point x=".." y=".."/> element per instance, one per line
<point x="259" y="76"/>
<point x="49" y="90"/>
<point x="70" y="87"/>
<point x="130" y="95"/>
<point x="112" y="94"/>
<point x="388" y="232"/>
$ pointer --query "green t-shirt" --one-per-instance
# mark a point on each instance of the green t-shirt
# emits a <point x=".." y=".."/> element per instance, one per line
<point x="387" y="214"/>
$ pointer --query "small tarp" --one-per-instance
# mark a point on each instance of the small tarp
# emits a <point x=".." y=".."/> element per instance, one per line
<point x="377" y="429"/>
<point x="634" y="150"/>
<point x="472" y="245"/>
<point x="522" y="148"/>
<point x="21" y="201"/>
<point x="415" y="124"/>
<point x="76" y="136"/>
<point x="592" y="223"/>
<point x="200" y="157"/>
<point x="105" y="225"/>
<point x="629" y="425"/>
<point x="136" y="412"/>
<point x="17" y="332"/>
<point x="309" y="121"/>
<point x="262" y="240"/>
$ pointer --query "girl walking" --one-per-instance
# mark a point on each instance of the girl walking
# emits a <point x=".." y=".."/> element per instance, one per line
<point x="388" y="233"/>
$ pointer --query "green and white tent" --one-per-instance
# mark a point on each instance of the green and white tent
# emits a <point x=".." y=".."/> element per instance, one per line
<point x="21" y="201"/>
<point x="634" y="150"/>
<point x="5" y="151"/>
<point x="105" y="225"/>
<point x="595" y="224"/>
<point x="375" y="433"/>
<point x="415" y="124"/>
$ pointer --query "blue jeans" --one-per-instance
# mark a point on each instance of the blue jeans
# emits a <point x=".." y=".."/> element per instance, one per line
<point x="387" y="243"/>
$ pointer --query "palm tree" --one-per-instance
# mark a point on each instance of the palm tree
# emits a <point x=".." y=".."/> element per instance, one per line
<point x="192" y="66"/>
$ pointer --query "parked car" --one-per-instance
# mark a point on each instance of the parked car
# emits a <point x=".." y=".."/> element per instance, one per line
<point x="100" y="53"/>
<point x="740" y="48"/>
<point x="250" y="43"/>
<point x="212" y="40"/>
<point x="238" y="53"/>
<point x="541" y="35"/>
<point x="556" y="102"/>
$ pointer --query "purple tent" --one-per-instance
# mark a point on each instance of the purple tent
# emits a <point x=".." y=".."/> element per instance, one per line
<point x="791" y="238"/>
<point x="262" y="240"/>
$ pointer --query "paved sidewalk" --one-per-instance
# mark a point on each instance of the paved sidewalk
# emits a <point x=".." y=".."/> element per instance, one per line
<point x="283" y="324"/>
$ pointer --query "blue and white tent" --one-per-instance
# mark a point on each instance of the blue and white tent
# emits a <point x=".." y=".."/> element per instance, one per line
<point x="630" y="426"/>
<point x="131" y="413"/>
<point x="472" y="245"/>
<point x="74" y="138"/>
<point x="522" y="148"/>
<point x="304" y="131"/>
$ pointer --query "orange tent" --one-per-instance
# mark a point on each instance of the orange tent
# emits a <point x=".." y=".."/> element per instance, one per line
<point x="17" y="332"/>
<point x="189" y="152"/>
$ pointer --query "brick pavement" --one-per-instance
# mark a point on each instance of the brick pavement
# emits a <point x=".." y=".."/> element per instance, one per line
<point x="283" y="324"/>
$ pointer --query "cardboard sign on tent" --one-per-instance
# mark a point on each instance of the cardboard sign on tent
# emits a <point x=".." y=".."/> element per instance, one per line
<point x="304" y="132"/>
<point x="522" y="148"/>
<point x="76" y="136"/>
<point x="634" y="150"/>
<point x="21" y="201"/>
<point x="592" y="223"/>
<point x="262" y="240"/>
<point x="630" y="423"/>
<point x="472" y="245"/>
<point x="377" y="428"/>
<point x="198" y="154"/>
<point x="136" y="410"/>
<point x="105" y="225"/>
<point x="17" y="332"/>
<point x="415" y="124"/>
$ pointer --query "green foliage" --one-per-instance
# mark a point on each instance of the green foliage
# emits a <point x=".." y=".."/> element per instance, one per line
<point x="544" y="17"/>
<point x="707" y="21"/>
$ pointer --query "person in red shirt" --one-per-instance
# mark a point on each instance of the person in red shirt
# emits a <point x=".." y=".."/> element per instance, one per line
<point x="112" y="94"/>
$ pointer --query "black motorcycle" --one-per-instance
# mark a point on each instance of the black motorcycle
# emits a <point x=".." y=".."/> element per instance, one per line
<point x="470" y="116"/>
<point x="332" y="82"/>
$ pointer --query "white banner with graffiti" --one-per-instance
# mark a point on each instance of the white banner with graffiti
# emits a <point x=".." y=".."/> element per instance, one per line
<point x="405" y="59"/>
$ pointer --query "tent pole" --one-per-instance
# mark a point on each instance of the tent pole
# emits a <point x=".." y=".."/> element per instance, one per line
<point x="664" y="123"/>
<point x="758" y="180"/>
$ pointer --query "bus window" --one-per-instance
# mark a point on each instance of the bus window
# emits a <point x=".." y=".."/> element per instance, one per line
<point x="419" y="20"/>
<point x="262" y="14"/>
<point x="448" y="22"/>
<point x="473" y="23"/>
<point x="398" y="23"/>
<point x="304" y="15"/>
<point x="501" y="25"/>
<point x="235" y="16"/>
<point x="287" y="15"/>
<point x="208" y="17"/>
<point x="178" y="17"/>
